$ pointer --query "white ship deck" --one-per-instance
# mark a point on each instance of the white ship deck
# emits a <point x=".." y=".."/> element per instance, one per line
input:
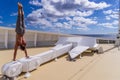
<point x="104" y="66"/>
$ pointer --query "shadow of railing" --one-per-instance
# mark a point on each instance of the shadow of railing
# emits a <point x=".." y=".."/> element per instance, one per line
<point x="1" y="77"/>
<point x="109" y="49"/>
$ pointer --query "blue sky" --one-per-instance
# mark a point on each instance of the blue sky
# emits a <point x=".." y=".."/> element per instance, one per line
<point x="64" y="16"/>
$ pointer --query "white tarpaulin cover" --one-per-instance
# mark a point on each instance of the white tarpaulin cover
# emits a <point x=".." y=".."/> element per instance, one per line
<point x="80" y="44"/>
<point x="95" y="46"/>
<point x="63" y="45"/>
<point x="55" y="52"/>
<point x="57" y="46"/>
<point x="45" y="56"/>
<point x="29" y="64"/>
<point x="12" y="69"/>
<point x="77" y="51"/>
<point x="88" y="41"/>
<point x="61" y="41"/>
<point x="58" y="51"/>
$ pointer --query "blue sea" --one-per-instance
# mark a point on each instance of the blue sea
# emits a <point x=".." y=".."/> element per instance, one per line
<point x="100" y="36"/>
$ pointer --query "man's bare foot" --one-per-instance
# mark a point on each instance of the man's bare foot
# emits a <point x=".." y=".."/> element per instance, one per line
<point x="27" y="57"/>
<point x="14" y="60"/>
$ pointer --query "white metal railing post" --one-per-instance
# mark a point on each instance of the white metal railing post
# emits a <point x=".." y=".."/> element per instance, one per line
<point x="119" y="27"/>
<point x="117" y="43"/>
<point x="6" y="38"/>
<point x="35" y="39"/>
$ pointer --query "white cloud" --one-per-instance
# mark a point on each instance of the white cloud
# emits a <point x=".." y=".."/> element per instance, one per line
<point x="59" y="25"/>
<point x="68" y="18"/>
<point x="53" y="19"/>
<point x="80" y="13"/>
<point x="37" y="19"/>
<point x="84" y="20"/>
<point x="45" y="22"/>
<point x="107" y="12"/>
<point x="64" y="14"/>
<point x="62" y="8"/>
<point x="92" y="5"/>
<point x="35" y="15"/>
<point x="57" y="8"/>
<point x="113" y="24"/>
<point x="0" y="17"/>
<point x="12" y="25"/>
<point x="107" y="17"/>
<point x="111" y="14"/>
<point x="41" y="22"/>
<point x="94" y="18"/>
<point x="1" y="22"/>
<point x="115" y="16"/>
<point x="112" y="17"/>
<point x="14" y="14"/>
<point x="35" y="2"/>
<point x="83" y="23"/>
<point x="81" y="28"/>
<point x="67" y="25"/>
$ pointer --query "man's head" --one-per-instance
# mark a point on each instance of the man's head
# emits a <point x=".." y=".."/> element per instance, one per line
<point x="22" y="47"/>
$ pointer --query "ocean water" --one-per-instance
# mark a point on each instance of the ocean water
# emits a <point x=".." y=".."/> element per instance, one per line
<point x="100" y="36"/>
